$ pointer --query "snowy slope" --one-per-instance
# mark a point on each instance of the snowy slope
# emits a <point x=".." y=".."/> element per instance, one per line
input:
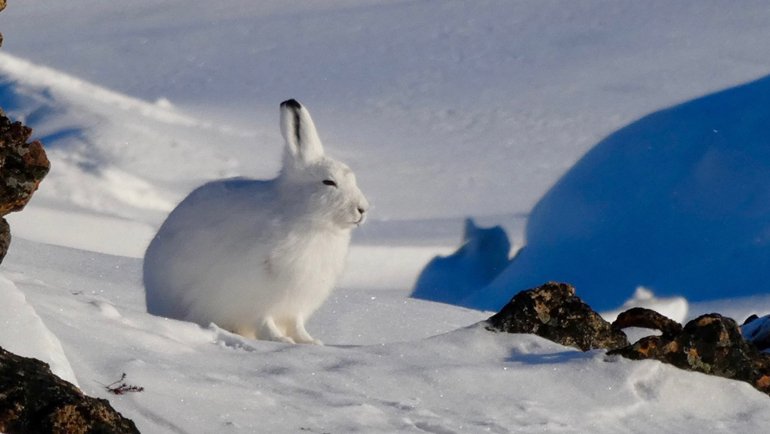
<point x="376" y="374"/>
<point x="444" y="110"/>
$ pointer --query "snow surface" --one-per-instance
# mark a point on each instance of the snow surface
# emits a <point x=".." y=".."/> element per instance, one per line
<point x="445" y="110"/>
<point x="25" y="334"/>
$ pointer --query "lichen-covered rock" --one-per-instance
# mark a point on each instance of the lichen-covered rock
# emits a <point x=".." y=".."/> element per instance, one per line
<point x="33" y="400"/>
<point x="649" y="319"/>
<point x="711" y="344"/>
<point x="22" y="165"/>
<point x="554" y="312"/>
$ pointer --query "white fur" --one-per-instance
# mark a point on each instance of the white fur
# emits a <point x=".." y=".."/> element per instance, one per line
<point x="258" y="257"/>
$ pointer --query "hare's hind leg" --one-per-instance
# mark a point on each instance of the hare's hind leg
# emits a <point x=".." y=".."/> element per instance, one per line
<point x="268" y="330"/>
<point x="296" y="329"/>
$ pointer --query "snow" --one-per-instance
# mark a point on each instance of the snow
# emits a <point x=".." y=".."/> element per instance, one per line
<point x="675" y="308"/>
<point x="444" y="110"/>
<point x="676" y="201"/>
<point x="24" y="333"/>
<point x="433" y="370"/>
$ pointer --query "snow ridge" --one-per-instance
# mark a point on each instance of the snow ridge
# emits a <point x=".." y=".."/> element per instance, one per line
<point x="25" y="334"/>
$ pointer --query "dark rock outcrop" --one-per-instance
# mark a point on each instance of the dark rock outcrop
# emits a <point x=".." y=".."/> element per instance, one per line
<point x="554" y="312"/>
<point x="32" y="399"/>
<point x="648" y="319"/>
<point x="711" y="344"/>
<point x="23" y="166"/>
<point x="5" y="238"/>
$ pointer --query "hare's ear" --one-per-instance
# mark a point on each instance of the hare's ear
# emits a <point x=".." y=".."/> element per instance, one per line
<point x="298" y="130"/>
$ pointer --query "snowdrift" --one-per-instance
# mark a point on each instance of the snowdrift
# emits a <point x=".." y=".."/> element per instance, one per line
<point x="677" y="202"/>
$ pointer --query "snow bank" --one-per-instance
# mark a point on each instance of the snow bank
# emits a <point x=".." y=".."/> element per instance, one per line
<point x="677" y="202"/>
<point x="24" y="333"/>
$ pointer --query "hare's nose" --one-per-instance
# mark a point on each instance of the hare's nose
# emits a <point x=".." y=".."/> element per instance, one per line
<point x="361" y="210"/>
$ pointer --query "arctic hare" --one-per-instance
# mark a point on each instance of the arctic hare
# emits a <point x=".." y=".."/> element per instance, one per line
<point x="258" y="257"/>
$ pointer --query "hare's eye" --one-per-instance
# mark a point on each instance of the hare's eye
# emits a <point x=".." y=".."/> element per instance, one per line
<point x="329" y="182"/>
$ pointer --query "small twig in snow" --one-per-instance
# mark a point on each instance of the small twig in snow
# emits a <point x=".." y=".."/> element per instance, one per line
<point x="122" y="388"/>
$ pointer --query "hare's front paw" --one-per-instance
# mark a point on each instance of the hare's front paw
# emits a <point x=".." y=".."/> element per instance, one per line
<point x="300" y="335"/>
<point x="311" y="340"/>
<point x="269" y="331"/>
<point x="284" y="339"/>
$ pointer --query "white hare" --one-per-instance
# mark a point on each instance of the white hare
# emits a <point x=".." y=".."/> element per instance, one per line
<point x="258" y="257"/>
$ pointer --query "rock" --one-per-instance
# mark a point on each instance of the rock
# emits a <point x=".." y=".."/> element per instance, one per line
<point x="711" y="344"/>
<point x="649" y="319"/>
<point x="5" y="238"/>
<point x="32" y="399"/>
<point x="23" y="165"/>
<point x="554" y="312"/>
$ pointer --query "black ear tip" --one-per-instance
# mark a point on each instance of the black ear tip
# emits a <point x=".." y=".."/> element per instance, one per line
<point x="291" y="103"/>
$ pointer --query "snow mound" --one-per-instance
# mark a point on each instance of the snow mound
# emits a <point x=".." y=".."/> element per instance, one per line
<point x="24" y="333"/>
<point x="677" y="201"/>
<point x="675" y="308"/>
<point x="482" y="256"/>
